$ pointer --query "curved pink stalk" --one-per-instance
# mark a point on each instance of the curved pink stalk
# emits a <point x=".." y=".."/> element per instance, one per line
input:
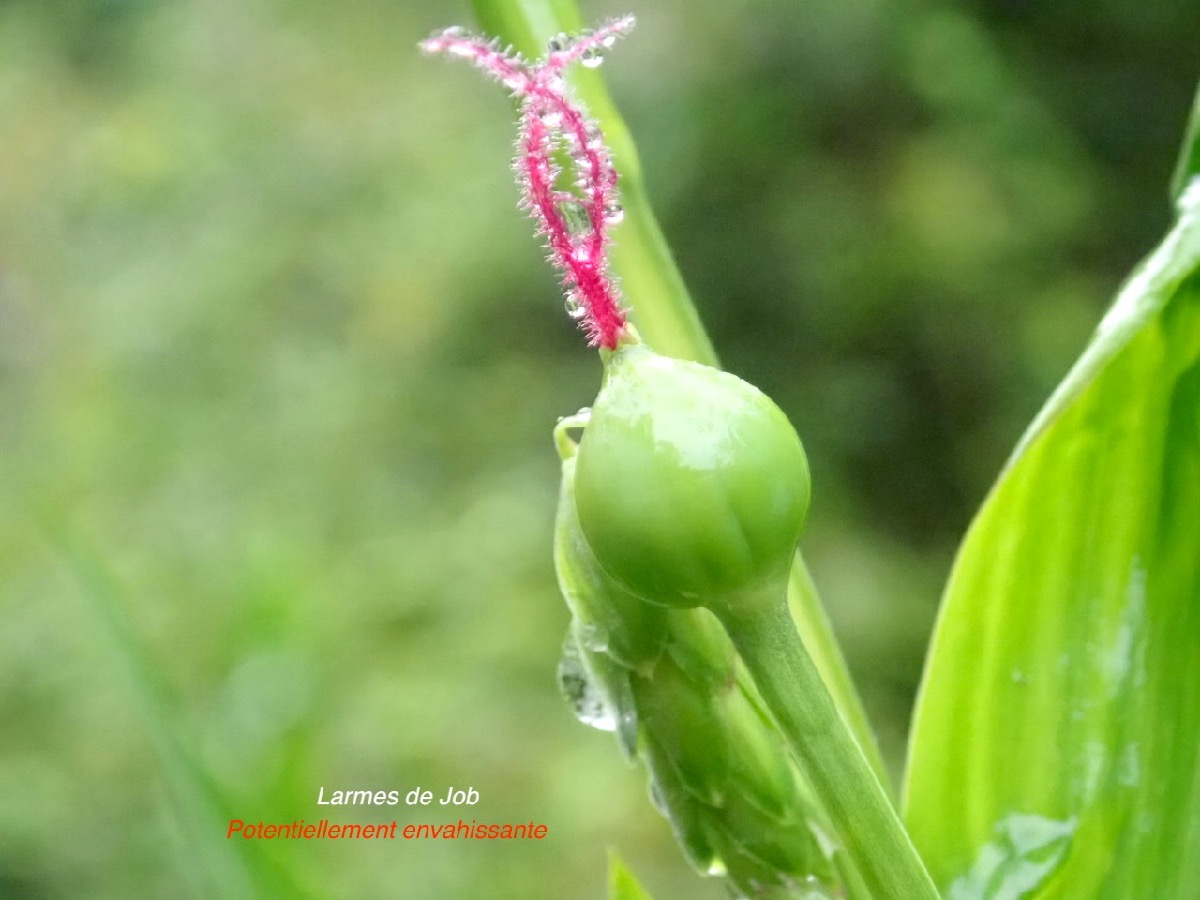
<point x="575" y="223"/>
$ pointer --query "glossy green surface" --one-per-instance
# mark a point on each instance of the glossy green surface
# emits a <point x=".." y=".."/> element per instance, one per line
<point x="1054" y="750"/>
<point x="692" y="485"/>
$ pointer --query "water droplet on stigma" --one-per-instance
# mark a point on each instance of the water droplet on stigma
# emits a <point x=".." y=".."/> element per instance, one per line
<point x="575" y="308"/>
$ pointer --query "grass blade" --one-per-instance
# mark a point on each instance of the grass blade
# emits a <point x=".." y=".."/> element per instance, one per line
<point x="215" y="865"/>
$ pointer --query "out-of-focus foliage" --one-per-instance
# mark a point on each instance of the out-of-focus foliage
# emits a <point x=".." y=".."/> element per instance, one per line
<point x="278" y="352"/>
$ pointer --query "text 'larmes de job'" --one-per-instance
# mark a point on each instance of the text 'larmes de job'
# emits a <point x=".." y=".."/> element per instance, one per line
<point x="415" y="797"/>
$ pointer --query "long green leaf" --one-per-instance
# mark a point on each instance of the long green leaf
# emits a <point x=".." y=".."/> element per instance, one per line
<point x="1054" y="748"/>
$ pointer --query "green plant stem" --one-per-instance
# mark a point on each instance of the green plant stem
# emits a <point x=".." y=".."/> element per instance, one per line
<point x="816" y="633"/>
<point x="846" y="785"/>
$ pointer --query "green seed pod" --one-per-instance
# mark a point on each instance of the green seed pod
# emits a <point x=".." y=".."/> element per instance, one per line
<point x="692" y="486"/>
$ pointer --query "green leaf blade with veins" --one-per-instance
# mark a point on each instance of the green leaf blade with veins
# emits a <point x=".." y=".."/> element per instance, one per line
<point x="1054" y="746"/>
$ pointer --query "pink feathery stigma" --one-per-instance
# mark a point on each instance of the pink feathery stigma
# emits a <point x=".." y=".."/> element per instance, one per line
<point x="575" y="223"/>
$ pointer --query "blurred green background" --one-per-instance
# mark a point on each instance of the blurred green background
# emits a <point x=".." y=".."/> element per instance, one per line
<point x="279" y="360"/>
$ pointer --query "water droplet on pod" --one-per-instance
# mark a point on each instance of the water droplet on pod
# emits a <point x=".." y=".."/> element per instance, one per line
<point x="586" y="701"/>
